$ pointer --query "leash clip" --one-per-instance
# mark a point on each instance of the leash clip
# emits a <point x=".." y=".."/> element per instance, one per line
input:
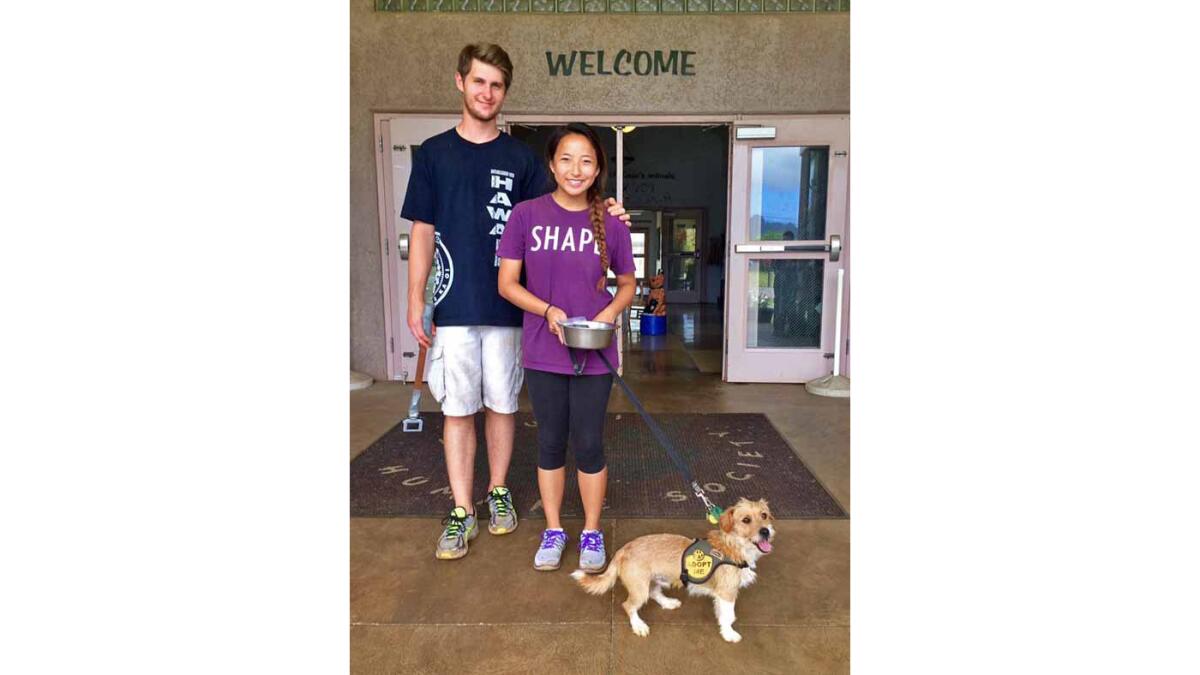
<point x="712" y="512"/>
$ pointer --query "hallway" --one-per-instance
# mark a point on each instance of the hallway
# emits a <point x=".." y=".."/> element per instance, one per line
<point x="492" y="612"/>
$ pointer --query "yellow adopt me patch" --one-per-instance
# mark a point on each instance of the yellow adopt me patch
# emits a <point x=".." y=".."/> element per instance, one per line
<point x="699" y="565"/>
<point x="699" y="561"/>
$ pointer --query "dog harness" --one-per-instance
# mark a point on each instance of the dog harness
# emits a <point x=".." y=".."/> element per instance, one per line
<point x="700" y="560"/>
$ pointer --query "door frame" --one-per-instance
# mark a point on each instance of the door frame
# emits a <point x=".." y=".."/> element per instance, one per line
<point x="393" y="301"/>
<point x="647" y="120"/>
<point x="387" y="229"/>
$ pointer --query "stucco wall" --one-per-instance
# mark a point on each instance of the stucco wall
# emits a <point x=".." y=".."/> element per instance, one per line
<point x="786" y="63"/>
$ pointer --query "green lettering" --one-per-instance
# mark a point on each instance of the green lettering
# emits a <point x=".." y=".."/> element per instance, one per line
<point x="622" y="55"/>
<point x="600" y="70"/>
<point x="687" y="69"/>
<point x="585" y="64"/>
<point x="668" y="66"/>
<point x="637" y="63"/>
<point x="559" y="64"/>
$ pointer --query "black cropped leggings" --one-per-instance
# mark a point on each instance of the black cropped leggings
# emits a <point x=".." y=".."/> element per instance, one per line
<point x="569" y="407"/>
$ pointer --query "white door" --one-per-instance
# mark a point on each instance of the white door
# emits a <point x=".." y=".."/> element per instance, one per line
<point x="787" y="229"/>
<point x="396" y="137"/>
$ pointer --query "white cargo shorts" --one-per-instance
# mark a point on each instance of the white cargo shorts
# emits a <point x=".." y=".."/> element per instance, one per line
<point x="475" y="366"/>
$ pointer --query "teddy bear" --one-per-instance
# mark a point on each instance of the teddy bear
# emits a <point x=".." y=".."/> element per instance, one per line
<point x="657" y="302"/>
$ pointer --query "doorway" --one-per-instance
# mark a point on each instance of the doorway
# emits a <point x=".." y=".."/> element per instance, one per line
<point x="696" y="198"/>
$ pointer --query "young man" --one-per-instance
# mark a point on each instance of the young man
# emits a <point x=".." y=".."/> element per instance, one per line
<point x="463" y="185"/>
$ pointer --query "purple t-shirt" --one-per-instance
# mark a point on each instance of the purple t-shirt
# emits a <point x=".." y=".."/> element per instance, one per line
<point x="562" y="264"/>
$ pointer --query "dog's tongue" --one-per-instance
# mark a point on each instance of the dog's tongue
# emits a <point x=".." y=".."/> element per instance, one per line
<point x="764" y="546"/>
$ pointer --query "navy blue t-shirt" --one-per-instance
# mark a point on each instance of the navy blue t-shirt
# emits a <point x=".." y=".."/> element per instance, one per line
<point x="466" y="191"/>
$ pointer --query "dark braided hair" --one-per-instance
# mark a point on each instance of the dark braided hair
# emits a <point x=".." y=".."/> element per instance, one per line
<point x="595" y="193"/>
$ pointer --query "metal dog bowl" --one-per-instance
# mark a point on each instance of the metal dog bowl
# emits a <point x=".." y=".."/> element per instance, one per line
<point x="588" y="334"/>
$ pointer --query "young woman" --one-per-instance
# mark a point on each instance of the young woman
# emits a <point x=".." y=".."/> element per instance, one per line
<point x="566" y="242"/>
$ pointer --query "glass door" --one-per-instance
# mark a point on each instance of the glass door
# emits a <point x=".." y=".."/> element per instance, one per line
<point x="684" y="232"/>
<point x="787" y="229"/>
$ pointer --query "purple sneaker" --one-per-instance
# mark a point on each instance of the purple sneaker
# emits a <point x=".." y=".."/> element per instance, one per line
<point x="591" y="551"/>
<point x="549" y="554"/>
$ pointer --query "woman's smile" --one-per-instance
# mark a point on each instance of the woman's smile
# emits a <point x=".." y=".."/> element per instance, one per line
<point x="574" y="165"/>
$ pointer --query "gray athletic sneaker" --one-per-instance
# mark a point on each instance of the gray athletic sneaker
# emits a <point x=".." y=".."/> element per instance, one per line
<point x="591" y="551"/>
<point x="504" y="515"/>
<point x="460" y="528"/>
<point x="549" y="554"/>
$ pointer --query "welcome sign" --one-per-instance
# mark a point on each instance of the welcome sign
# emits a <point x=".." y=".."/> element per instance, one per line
<point x="641" y="63"/>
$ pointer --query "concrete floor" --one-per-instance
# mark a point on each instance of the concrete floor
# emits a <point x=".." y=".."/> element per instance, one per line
<point x="492" y="612"/>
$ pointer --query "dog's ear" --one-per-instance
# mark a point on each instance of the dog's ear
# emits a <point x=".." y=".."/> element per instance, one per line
<point x="726" y="521"/>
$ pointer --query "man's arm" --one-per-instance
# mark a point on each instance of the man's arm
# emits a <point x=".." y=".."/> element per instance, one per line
<point x="420" y="262"/>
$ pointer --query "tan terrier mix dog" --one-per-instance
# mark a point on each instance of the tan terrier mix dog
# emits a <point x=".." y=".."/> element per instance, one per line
<point x="653" y="562"/>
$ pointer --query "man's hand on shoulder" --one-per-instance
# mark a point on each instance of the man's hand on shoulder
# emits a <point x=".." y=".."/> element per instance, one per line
<point x="617" y="209"/>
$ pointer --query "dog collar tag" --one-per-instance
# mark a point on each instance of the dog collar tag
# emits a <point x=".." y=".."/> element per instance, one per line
<point x="714" y="514"/>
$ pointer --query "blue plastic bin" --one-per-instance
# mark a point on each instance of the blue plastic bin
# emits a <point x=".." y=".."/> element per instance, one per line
<point x="653" y="325"/>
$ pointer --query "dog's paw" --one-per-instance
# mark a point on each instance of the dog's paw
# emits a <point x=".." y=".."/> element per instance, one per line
<point x="639" y="627"/>
<point x="731" y="635"/>
<point x="669" y="603"/>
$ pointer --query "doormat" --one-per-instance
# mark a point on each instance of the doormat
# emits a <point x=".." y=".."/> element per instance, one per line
<point x="731" y="454"/>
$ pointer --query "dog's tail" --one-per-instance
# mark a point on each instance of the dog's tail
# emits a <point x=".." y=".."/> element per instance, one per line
<point x="599" y="584"/>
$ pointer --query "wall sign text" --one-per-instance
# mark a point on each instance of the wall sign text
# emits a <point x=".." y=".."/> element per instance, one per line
<point x="624" y="63"/>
